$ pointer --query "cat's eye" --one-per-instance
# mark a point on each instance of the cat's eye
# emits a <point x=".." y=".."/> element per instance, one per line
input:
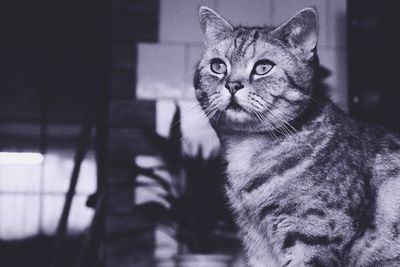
<point x="262" y="67"/>
<point x="218" y="66"/>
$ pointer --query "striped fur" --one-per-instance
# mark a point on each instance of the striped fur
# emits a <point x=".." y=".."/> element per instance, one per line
<point x="308" y="185"/>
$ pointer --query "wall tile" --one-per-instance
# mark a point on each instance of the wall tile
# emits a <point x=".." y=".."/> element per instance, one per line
<point x="19" y="216"/>
<point x="20" y="178"/>
<point x="286" y="9"/>
<point x="246" y="12"/>
<point x="79" y="218"/>
<point x="179" y="20"/>
<point x="335" y="61"/>
<point x="57" y="173"/>
<point x="161" y="70"/>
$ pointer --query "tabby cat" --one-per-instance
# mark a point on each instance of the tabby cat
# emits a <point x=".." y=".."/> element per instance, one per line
<point x="308" y="185"/>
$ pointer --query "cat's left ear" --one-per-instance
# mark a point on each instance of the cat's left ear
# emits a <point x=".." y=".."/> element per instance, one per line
<point x="301" y="32"/>
<point x="214" y="27"/>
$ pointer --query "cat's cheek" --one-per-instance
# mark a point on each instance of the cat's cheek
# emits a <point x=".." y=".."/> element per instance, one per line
<point x="292" y="95"/>
<point x="242" y="95"/>
<point x="208" y="78"/>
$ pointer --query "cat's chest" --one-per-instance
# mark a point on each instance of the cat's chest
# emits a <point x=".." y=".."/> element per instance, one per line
<point x="240" y="157"/>
<point x="249" y="158"/>
<point x="262" y="172"/>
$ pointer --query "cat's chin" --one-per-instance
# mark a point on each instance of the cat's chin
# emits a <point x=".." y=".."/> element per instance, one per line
<point x="237" y="115"/>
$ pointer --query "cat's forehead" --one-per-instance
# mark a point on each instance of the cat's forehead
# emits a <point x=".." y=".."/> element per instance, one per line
<point x="247" y="30"/>
<point x="246" y="43"/>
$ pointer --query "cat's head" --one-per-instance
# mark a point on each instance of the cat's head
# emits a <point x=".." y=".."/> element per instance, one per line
<point x="256" y="78"/>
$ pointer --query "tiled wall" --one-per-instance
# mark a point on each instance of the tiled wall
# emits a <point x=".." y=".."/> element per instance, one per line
<point x="165" y="69"/>
<point x="32" y="195"/>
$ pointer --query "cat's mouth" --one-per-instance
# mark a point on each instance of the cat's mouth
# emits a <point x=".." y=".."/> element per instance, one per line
<point x="233" y="105"/>
<point x="235" y="112"/>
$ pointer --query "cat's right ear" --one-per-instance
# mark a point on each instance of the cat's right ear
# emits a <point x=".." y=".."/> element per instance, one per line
<point x="214" y="27"/>
<point x="301" y="32"/>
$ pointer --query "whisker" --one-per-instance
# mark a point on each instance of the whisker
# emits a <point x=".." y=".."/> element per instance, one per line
<point x="207" y="113"/>
<point x="292" y="128"/>
<point x="280" y="122"/>
<point x="287" y="127"/>
<point x="211" y="110"/>
<point x="264" y="123"/>
<point x="264" y="106"/>
<point x="283" y="122"/>
<point x="280" y="127"/>
<point x="219" y="114"/>
<point x="186" y="114"/>
<point x="309" y="97"/>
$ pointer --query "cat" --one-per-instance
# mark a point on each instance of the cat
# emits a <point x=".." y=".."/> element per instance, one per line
<point x="307" y="184"/>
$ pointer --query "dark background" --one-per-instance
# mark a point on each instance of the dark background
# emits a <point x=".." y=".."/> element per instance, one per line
<point x="373" y="61"/>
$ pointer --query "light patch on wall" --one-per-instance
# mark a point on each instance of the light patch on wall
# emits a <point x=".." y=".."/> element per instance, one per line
<point x="198" y="135"/>
<point x="32" y="193"/>
<point x="21" y="158"/>
<point x="164" y="113"/>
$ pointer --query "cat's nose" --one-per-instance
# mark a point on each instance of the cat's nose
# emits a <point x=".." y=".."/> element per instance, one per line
<point x="233" y="87"/>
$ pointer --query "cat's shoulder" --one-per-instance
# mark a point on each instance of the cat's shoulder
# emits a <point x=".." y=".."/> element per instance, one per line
<point x="387" y="159"/>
